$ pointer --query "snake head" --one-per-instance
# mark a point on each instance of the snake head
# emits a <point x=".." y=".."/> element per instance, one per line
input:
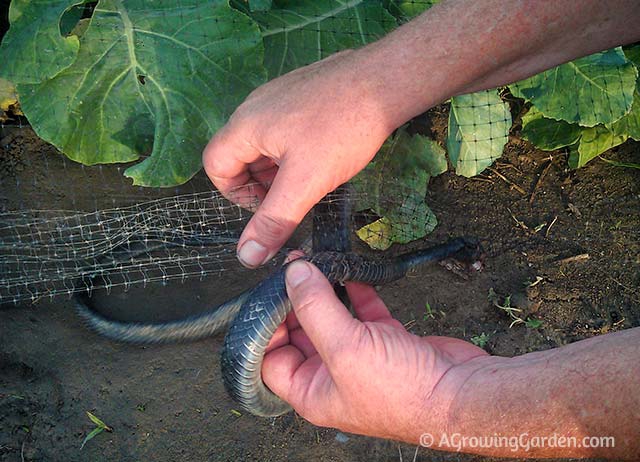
<point x="469" y="259"/>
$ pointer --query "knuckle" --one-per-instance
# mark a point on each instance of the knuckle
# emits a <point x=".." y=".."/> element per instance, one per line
<point x="304" y="302"/>
<point x="245" y="112"/>
<point x="211" y="163"/>
<point x="239" y="116"/>
<point x="215" y="151"/>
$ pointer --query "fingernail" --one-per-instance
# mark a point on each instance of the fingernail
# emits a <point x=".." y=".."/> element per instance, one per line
<point x="297" y="273"/>
<point x="252" y="254"/>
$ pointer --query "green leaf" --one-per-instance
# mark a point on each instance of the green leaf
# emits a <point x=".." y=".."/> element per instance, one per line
<point x="302" y="32"/>
<point x="395" y="186"/>
<point x="591" y="90"/>
<point x="378" y="235"/>
<point x="157" y="77"/>
<point x="412" y="220"/>
<point x="71" y="18"/>
<point x="96" y="420"/>
<point x="633" y="54"/>
<point x="621" y="164"/>
<point x="406" y="10"/>
<point x="33" y="49"/>
<point x="593" y="142"/>
<point x="480" y="340"/>
<point x="629" y="124"/>
<point x="8" y="100"/>
<point x="478" y="130"/>
<point x="548" y="134"/>
<point x="260" y="5"/>
<point x="249" y="6"/>
<point x="404" y="155"/>
<point x="533" y="323"/>
<point x="100" y="427"/>
<point x="94" y="432"/>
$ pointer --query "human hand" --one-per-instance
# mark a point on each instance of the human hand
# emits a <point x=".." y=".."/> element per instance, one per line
<point x="367" y="375"/>
<point x="299" y="136"/>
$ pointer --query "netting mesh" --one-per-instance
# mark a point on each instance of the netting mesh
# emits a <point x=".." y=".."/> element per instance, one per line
<point x="46" y="253"/>
<point x="50" y="247"/>
<point x="143" y="85"/>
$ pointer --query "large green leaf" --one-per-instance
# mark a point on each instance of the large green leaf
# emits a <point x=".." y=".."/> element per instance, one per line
<point x="548" y="134"/>
<point x="591" y="90"/>
<point x="478" y="130"/>
<point x="586" y="142"/>
<point x="394" y="187"/>
<point x="33" y="49"/>
<point x="157" y="77"/>
<point x="297" y="33"/>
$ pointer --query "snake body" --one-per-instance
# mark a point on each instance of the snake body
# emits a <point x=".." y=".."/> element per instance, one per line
<point x="268" y="306"/>
<point x="254" y="315"/>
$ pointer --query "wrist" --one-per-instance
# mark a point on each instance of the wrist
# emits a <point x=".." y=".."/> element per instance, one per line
<point x="440" y="412"/>
<point x="547" y="394"/>
<point x="419" y="64"/>
<point x="394" y="84"/>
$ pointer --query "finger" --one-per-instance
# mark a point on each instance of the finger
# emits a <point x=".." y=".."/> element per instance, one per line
<point x="299" y="339"/>
<point x="293" y="255"/>
<point x="325" y="320"/>
<point x="283" y="208"/>
<point x="456" y="350"/>
<point x="290" y="332"/>
<point x="250" y="194"/>
<point x="279" y="339"/>
<point x="295" y="379"/>
<point x="226" y="160"/>
<point x="279" y="368"/>
<point x="367" y="305"/>
<point x="264" y="171"/>
<point x="292" y="321"/>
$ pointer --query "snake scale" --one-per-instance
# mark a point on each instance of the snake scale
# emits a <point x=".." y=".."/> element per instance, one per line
<point x="254" y="315"/>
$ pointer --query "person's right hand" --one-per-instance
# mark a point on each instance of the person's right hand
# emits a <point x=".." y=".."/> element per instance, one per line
<point x="294" y="140"/>
<point x="363" y="374"/>
<point x="368" y="375"/>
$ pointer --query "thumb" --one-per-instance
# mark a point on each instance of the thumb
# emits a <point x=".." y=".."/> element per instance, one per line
<point x="283" y="208"/>
<point x="323" y="317"/>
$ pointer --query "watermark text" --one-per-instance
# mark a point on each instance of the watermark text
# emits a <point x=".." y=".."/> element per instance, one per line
<point x="516" y="443"/>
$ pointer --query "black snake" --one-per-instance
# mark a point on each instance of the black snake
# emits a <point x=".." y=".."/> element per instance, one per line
<point x="255" y="314"/>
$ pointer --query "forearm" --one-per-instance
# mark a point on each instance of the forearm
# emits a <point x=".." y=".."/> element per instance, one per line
<point x="461" y="46"/>
<point x="590" y="388"/>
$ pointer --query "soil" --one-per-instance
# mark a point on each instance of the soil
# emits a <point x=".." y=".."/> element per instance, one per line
<point x="564" y="245"/>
